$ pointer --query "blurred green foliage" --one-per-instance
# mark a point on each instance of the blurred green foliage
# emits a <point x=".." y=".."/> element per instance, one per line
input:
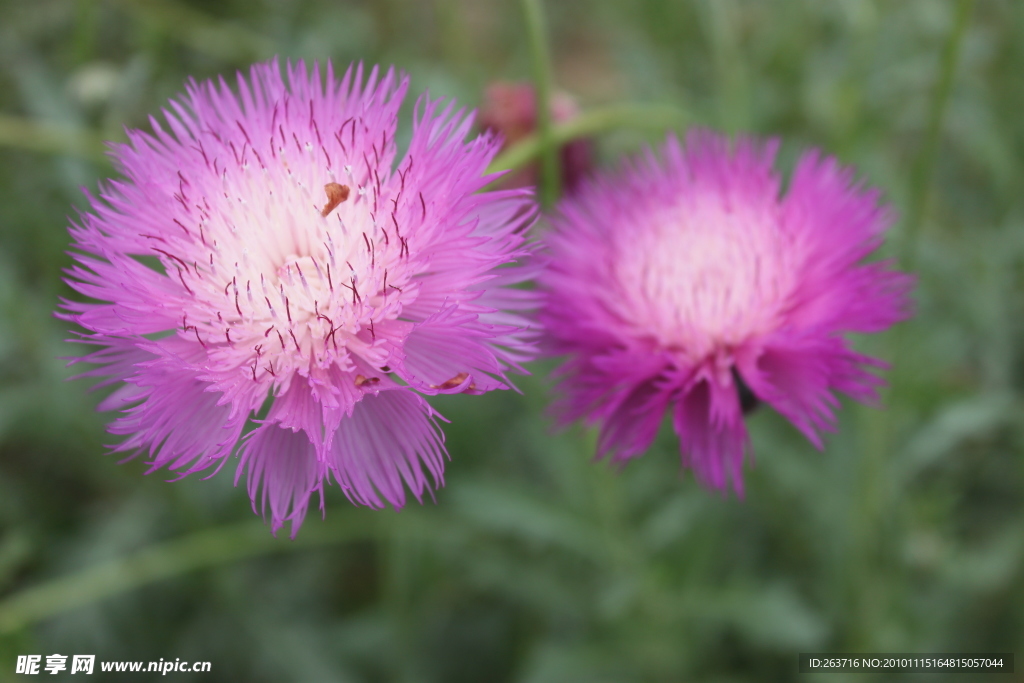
<point x="534" y="564"/>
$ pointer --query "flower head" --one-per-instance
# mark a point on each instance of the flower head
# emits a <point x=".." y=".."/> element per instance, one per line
<point x="691" y="284"/>
<point x="511" y="110"/>
<point x="265" y="243"/>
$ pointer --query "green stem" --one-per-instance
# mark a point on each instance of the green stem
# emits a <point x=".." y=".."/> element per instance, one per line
<point x="540" y="56"/>
<point x="591" y="122"/>
<point x="922" y="172"/>
<point x="727" y="58"/>
<point x="874" y="571"/>
<point x="42" y="137"/>
<point x="207" y="548"/>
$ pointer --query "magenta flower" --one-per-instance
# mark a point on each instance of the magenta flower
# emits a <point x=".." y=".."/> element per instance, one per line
<point x="265" y="244"/>
<point x="693" y="284"/>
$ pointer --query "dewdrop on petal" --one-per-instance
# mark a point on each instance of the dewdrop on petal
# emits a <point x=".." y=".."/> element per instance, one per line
<point x="298" y="260"/>
<point x="694" y="285"/>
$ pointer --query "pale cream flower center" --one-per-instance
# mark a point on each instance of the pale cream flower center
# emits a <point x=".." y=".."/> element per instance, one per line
<point x="704" y="276"/>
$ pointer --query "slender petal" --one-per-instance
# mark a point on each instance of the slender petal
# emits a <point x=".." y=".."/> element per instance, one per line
<point x="385" y="446"/>
<point x="282" y="473"/>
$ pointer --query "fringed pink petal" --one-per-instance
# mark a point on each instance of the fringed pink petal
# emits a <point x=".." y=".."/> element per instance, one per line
<point x="180" y="421"/>
<point x="798" y="375"/>
<point x="282" y="473"/>
<point x="712" y="437"/>
<point x="596" y="385"/>
<point x="385" y="446"/>
<point x="629" y="429"/>
<point x="837" y="224"/>
<point x="444" y="354"/>
<point x="297" y="409"/>
<point x="117" y="359"/>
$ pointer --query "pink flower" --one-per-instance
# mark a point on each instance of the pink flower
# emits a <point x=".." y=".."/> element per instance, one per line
<point x="265" y="244"/>
<point x="691" y="284"/>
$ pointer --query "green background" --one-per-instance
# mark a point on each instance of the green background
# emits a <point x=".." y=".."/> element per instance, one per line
<point x="534" y="564"/>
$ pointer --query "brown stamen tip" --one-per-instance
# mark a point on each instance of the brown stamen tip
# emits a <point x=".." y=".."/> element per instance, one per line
<point x="366" y="381"/>
<point x="336" y="194"/>
<point x="453" y="382"/>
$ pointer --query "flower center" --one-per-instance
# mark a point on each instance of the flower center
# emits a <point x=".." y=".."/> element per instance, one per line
<point x="290" y="269"/>
<point x="704" y="276"/>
